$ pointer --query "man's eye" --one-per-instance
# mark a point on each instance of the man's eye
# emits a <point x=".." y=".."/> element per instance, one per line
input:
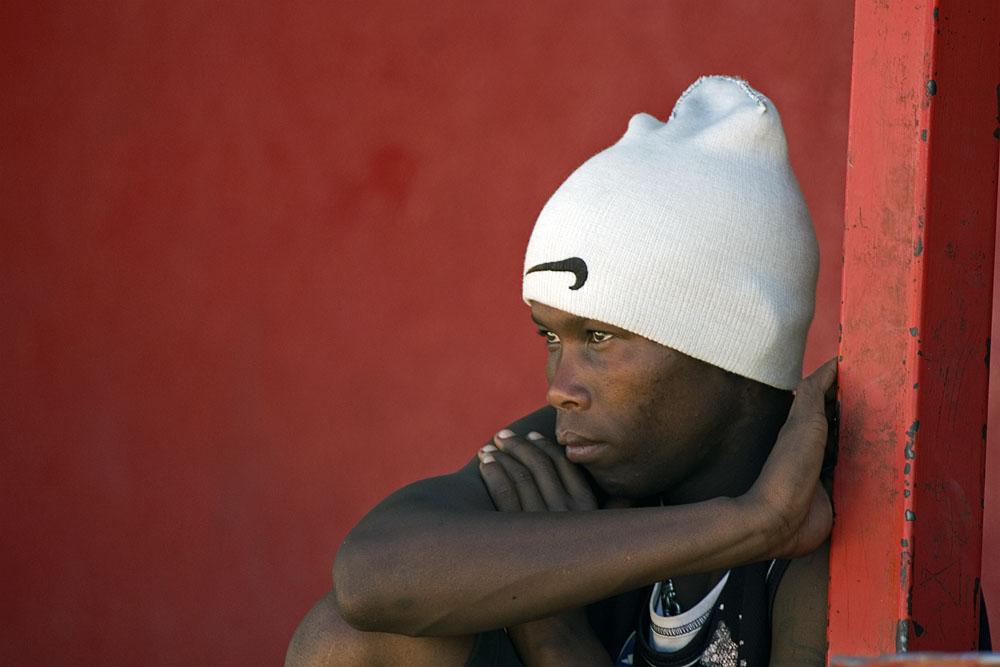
<point x="550" y="338"/>
<point x="600" y="336"/>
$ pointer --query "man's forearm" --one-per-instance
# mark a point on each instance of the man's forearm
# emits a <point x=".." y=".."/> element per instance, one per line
<point x="445" y="573"/>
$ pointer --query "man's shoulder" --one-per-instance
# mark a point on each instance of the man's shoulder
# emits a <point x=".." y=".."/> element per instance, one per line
<point x="542" y="420"/>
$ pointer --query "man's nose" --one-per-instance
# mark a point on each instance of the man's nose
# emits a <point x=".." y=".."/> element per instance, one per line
<point x="567" y="390"/>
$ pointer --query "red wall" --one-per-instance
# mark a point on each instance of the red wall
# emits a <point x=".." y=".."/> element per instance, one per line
<point x="259" y="265"/>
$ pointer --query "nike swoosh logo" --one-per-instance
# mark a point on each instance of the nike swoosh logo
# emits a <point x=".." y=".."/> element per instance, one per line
<point x="573" y="265"/>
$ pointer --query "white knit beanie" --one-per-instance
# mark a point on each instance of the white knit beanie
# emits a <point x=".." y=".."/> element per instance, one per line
<point x="692" y="233"/>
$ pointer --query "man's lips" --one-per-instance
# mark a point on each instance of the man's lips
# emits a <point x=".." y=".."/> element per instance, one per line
<point x="580" y="449"/>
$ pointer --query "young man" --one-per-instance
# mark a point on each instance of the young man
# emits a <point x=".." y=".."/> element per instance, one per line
<point x="636" y="520"/>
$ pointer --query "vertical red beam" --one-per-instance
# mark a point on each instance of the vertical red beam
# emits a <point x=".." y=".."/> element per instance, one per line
<point x="914" y="351"/>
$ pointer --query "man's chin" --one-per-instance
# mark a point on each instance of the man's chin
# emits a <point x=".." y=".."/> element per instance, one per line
<point x="617" y="491"/>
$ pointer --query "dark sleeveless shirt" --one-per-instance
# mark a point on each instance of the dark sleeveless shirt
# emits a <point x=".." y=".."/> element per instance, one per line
<point x="736" y="634"/>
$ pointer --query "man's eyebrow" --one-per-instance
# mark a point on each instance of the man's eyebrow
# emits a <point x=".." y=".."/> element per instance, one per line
<point x="537" y="321"/>
<point x="570" y="321"/>
<point x="595" y="325"/>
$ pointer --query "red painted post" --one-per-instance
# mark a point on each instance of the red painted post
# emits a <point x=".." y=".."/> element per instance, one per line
<point x="917" y="281"/>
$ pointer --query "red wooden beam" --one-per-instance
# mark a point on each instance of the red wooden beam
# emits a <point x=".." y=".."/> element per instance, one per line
<point x="915" y="318"/>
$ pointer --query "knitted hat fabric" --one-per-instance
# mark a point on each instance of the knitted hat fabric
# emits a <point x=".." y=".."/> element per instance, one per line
<point x="692" y="233"/>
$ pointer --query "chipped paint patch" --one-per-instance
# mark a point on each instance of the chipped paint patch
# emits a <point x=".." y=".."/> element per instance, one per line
<point x="902" y="635"/>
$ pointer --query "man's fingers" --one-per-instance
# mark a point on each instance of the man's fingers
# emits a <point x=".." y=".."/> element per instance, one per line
<point x="571" y="475"/>
<point x="500" y="488"/>
<point x="561" y="482"/>
<point x="537" y="472"/>
<point x="532" y="470"/>
<point x="519" y="480"/>
<point x="808" y="415"/>
<point x="822" y="382"/>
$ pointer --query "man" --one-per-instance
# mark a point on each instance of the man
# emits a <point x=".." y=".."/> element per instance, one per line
<point x="636" y="520"/>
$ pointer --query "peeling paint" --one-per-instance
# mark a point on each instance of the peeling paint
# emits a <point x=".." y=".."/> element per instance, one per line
<point x="931" y="88"/>
<point x="902" y="635"/>
<point x="909" y="515"/>
<point x="919" y="247"/>
<point x="914" y="427"/>
<point x="913" y="331"/>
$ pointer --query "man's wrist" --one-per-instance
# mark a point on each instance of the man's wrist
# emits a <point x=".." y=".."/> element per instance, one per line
<point x="759" y="531"/>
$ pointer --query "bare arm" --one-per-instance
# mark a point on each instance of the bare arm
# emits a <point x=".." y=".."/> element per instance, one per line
<point x="418" y="567"/>
<point x="437" y="559"/>
<point x="799" y="614"/>
<point x="798" y="620"/>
